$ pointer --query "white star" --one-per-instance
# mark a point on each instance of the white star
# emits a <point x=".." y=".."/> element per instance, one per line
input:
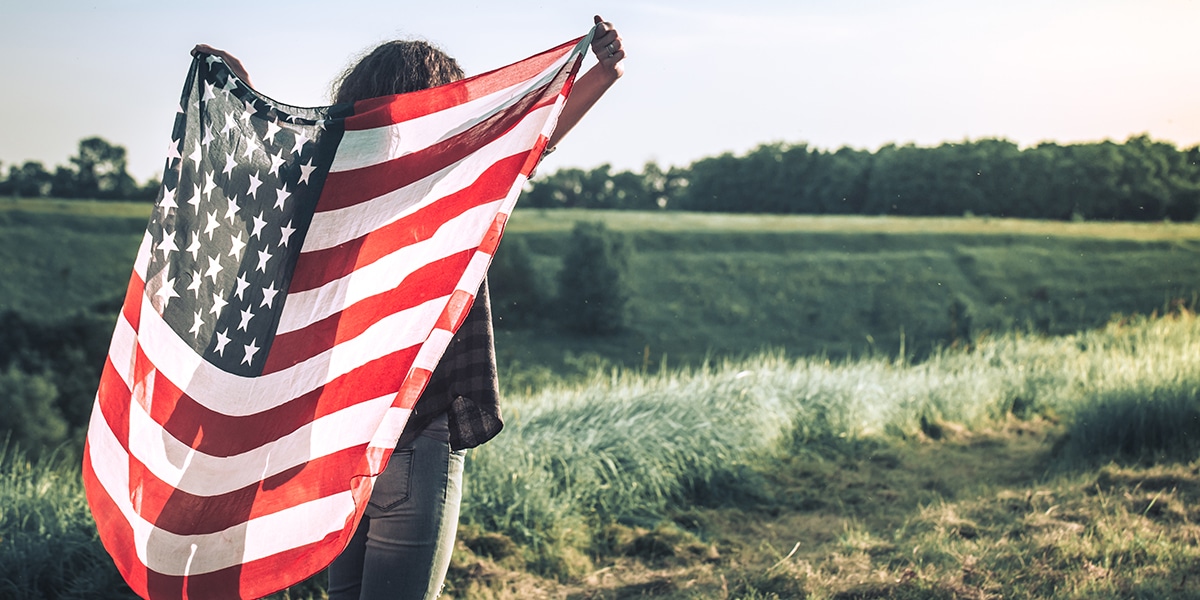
<point x="167" y="245"/>
<point x="242" y="284"/>
<point x="214" y="268"/>
<point x="195" y="245"/>
<point x="209" y="186"/>
<point x="276" y="162"/>
<point x="168" y="199"/>
<point x="222" y="339"/>
<point x="306" y="170"/>
<point x="231" y="210"/>
<point x="213" y="58"/>
<point x="230" y="84"/>
<point x="245" y="323"/>
<point x="250" y="350"/>
<point x="166" y="292"/>
<point x="254" y="185"/>
<point x="195" y="330"/>
<point x="229" y="165"/>
<point x="248" y="152"/>
<point x="208" y="92"/>
<point x="194" y="286"/>
<point x="263" y="257"/>
<point x="236" y="245"/>
<point x="269" y="295"/>
<point x="218" y="304"/>
<point x="208" y="137"/>
<point x="301" y="140"/>
<point x="259" y="223"/>
<point x="285" y="232"/>
<point x="228" y="125"/>
<point x="272" y="129"/>
<point x="195" y="155"/>
<point x="173" y="150"/>
<point x="213" y="223"/>
<point x="194" y="202"/>
<point x="179" y="108"/>
<point x="281" y="199"/>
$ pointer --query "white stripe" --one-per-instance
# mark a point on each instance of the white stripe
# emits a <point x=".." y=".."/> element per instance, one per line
<point x="390" y="427"/>
<point x="170" y="554"/>
<point x="464" y="232"/>
<point x="366" y="147"/>
<point x="142" y="261"/>
<point x="194" y="472"/>
<point x="236" y="395"/>
<point x="335" y="227"/>
<point x="431" y="352"/>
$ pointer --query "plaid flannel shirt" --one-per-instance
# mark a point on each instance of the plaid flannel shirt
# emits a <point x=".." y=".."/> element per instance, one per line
<point x="464" y="384"/>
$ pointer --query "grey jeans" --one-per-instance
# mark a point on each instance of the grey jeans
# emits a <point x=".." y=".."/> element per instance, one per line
<point x="402" y="546"/>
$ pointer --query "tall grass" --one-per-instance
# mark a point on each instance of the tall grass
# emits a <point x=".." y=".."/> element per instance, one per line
<point x="628" y="446"/>
<point x="631" y="447"/>
<point x="48" y="542"/>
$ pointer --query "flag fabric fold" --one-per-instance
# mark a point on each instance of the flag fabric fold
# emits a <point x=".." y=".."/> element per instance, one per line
<point x="301" y="275"/>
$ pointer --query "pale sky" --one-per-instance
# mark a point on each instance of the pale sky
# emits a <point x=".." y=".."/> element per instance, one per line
<point x="702" y="77"/>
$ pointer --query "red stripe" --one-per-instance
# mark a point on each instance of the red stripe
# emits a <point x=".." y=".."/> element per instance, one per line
<point x="223" y="435"/>
<point x="410" y="390"/>
<point x="424" y="284"/>
<point x="132" y="307"/>
<point x="114" y="397"/>
<point x="389" y="110"/>
<point x="115" y="532"/>
<point x="492" y="239"/>
<point x="182" y="513"/>
<point x="251" y="580"/>
<point x="347" y="188"/>
<point x="456" y="310"/>
<point x="315" y="269"/>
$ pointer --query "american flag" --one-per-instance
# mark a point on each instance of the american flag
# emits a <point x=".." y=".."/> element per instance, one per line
<point x="300" y="277"/>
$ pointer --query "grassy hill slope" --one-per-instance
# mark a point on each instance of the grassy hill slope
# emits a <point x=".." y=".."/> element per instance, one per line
<point x="729" y="285"/>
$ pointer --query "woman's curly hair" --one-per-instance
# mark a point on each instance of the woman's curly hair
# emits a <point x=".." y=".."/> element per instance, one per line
<point x="396" y="67"/>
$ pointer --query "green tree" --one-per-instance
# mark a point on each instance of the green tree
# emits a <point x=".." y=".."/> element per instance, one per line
<point x="593" y="285"/>
<point x="100" y="171"/>
<point x="29" y="180"/>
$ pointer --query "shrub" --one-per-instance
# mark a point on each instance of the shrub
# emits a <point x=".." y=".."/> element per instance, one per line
<point x="518" y="290"/>
<point x="593" y="284"/>
<point x="31" y="417"/>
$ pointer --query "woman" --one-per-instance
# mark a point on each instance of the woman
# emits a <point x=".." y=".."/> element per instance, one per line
<point x="403" y="544"/>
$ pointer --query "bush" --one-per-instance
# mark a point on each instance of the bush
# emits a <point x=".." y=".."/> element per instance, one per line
<point x="518" y="290"/>
<point x="31" y="418"/>
<point x="593" y="284"/>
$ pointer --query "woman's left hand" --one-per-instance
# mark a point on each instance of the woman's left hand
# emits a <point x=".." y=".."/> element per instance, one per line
<point x="235" y="65"/>
<point x="609" y="50"/>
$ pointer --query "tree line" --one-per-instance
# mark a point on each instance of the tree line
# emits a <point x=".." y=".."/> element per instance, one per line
<point x="98" y="171"/>
<point x="1140" y="179"/>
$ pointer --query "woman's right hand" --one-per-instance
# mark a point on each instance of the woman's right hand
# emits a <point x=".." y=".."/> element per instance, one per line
<point x="235" y="65"/>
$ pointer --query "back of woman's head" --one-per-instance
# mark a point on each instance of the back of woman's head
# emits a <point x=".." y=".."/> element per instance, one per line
<point x="396" y="67"/>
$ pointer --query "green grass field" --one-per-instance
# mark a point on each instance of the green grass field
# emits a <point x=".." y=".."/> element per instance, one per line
<point x="851" y="407"/>
<point x="720" y="286"/>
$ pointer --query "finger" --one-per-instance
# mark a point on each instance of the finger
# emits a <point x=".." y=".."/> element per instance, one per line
<point x="602" y="26"/>
<point x="612" y="59"/>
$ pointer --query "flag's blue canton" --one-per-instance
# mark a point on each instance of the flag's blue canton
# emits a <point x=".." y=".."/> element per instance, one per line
<point x="242" y="177"/>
